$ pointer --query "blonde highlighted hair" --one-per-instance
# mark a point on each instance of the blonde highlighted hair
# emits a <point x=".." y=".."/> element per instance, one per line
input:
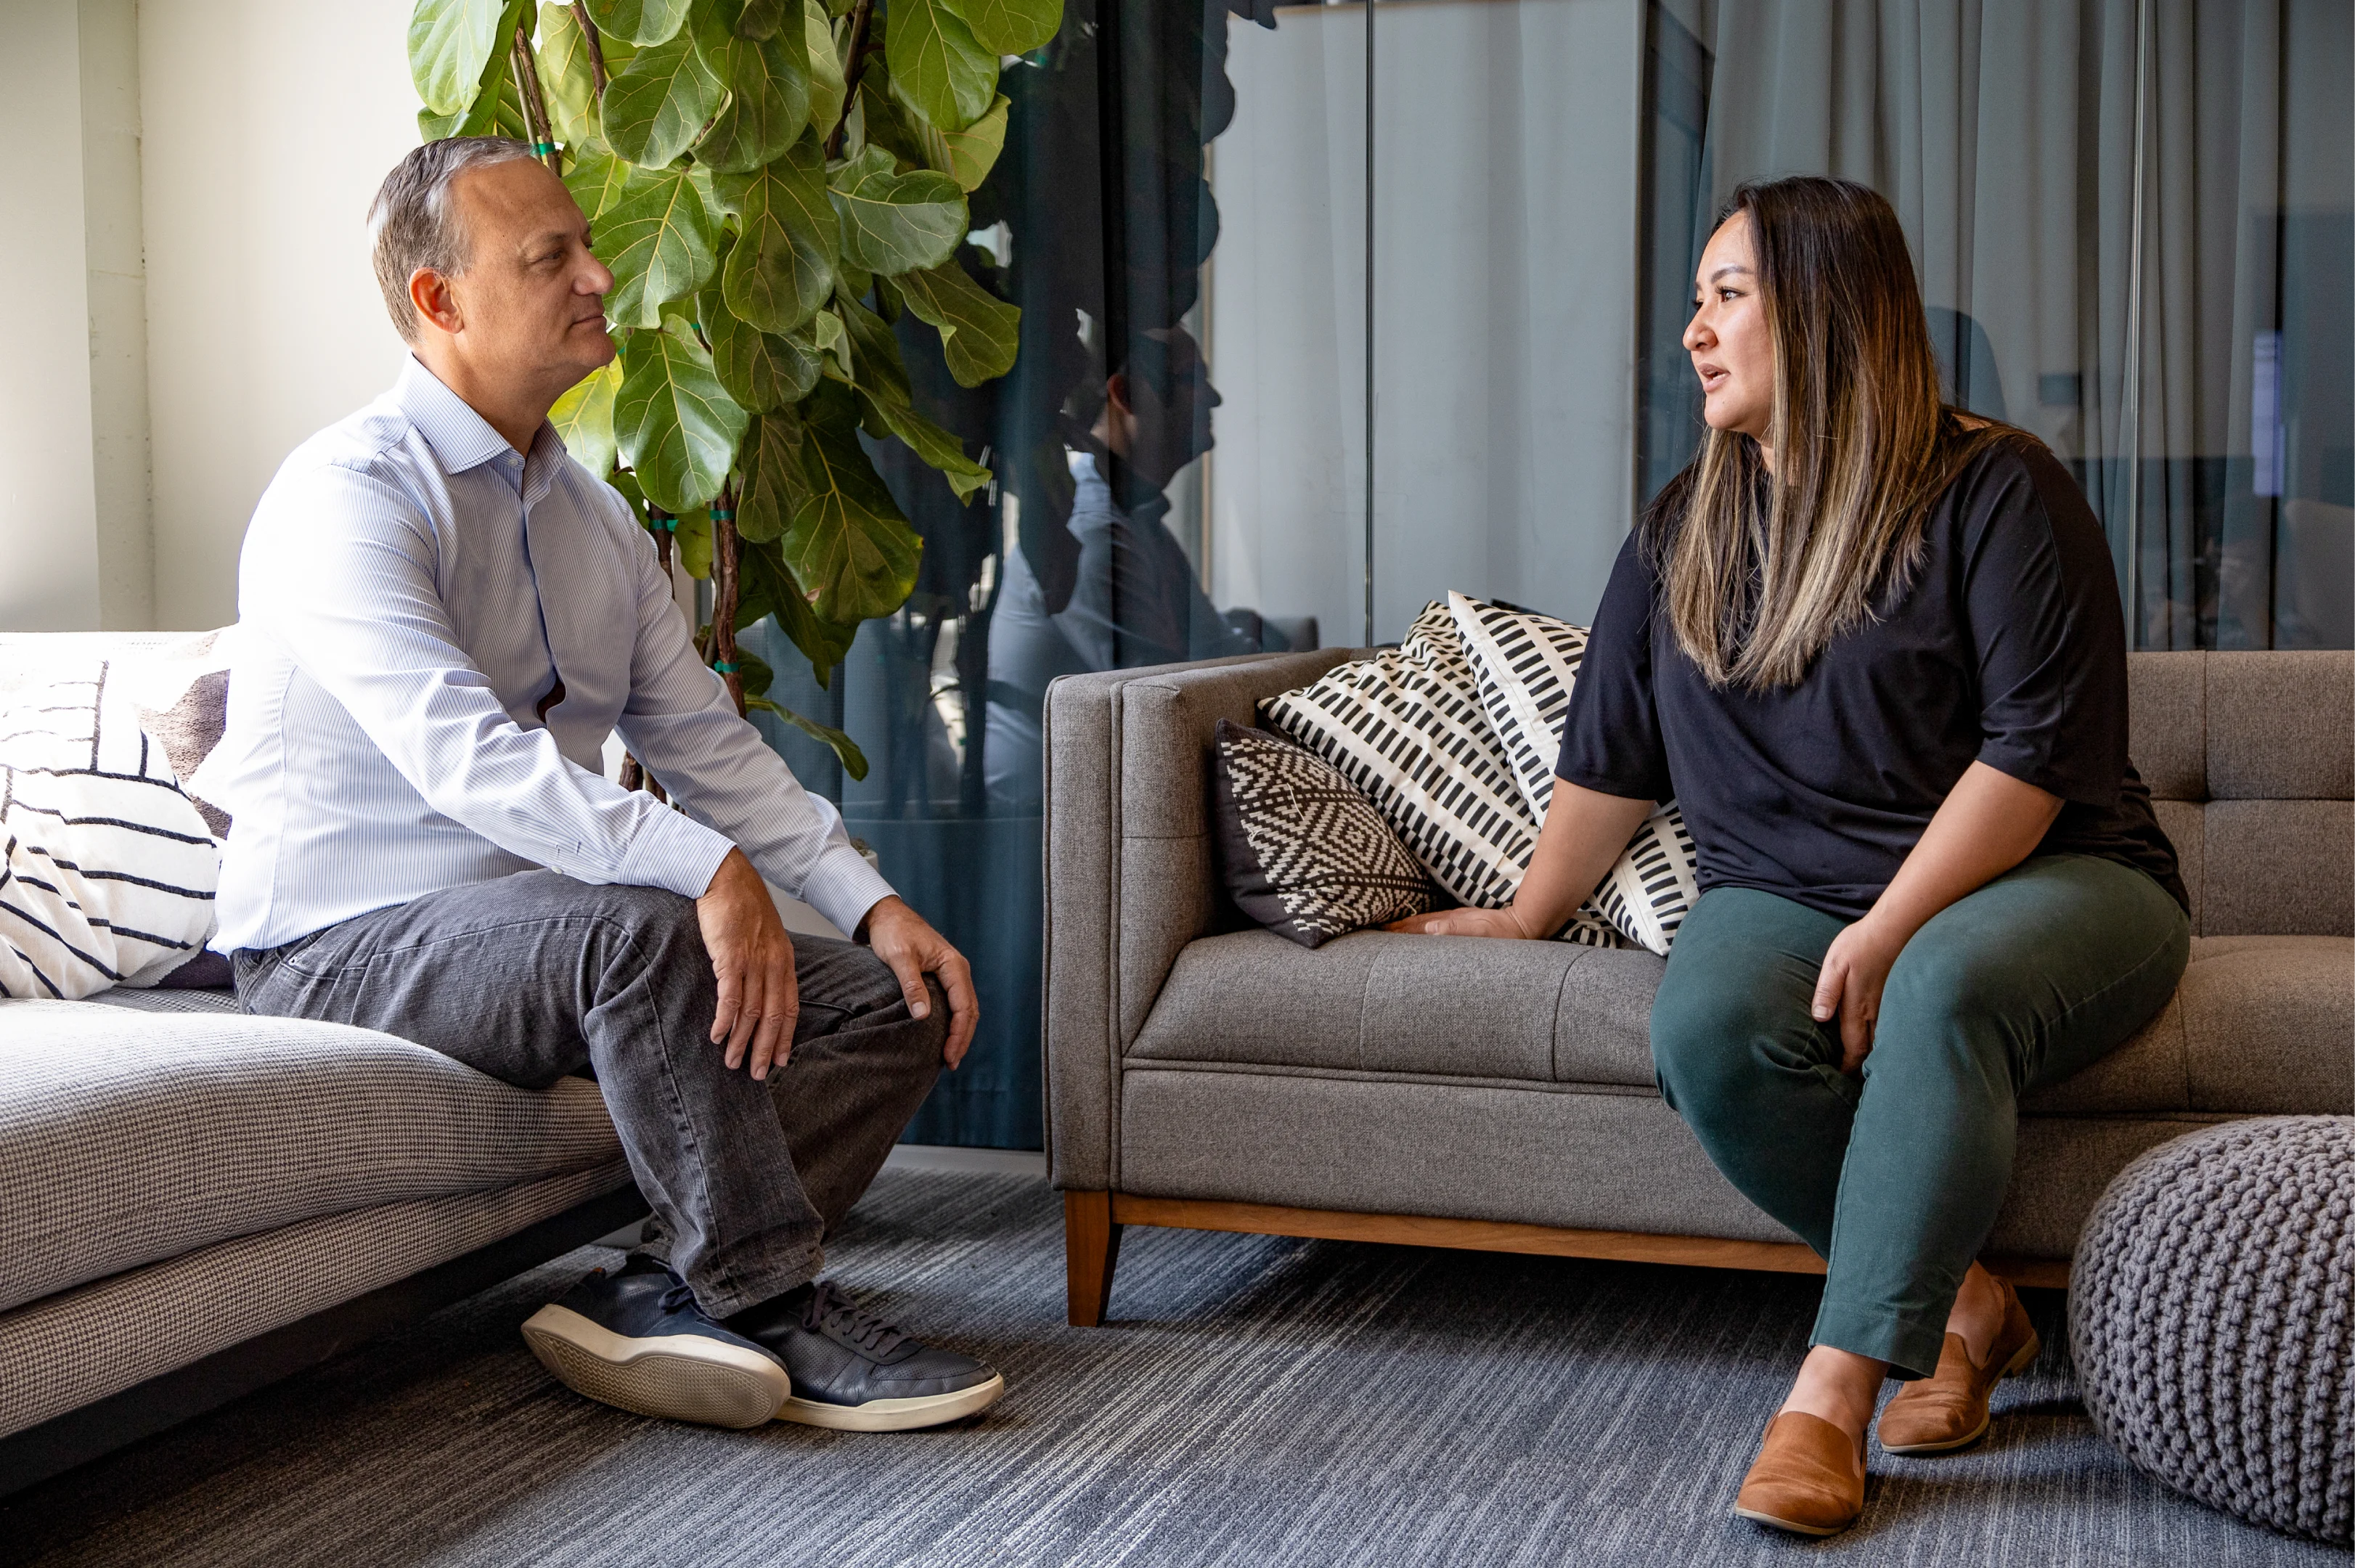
<point x="1864" y="447"/>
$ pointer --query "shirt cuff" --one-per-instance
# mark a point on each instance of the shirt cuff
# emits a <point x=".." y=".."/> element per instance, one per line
<point x="842" y="887"/>
<point x="673" y="851"/>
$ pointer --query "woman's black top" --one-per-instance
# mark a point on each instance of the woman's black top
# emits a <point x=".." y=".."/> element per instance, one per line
<point x="2007" y="648"/>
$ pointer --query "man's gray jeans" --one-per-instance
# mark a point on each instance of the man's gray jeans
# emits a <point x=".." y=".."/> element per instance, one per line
<point x="534" y="976"/>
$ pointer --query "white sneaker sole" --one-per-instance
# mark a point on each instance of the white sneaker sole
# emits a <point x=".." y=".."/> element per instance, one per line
<point x="676" y="1377"/>
<point x="894" y="1414"/>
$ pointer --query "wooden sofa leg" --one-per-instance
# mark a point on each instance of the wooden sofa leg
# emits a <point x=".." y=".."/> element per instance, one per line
<point x="1091" y="1248"/>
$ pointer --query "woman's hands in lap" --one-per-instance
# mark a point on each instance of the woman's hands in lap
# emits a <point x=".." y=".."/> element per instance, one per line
<point x="1460" y="922"/>
<point x="1855" y="967"/>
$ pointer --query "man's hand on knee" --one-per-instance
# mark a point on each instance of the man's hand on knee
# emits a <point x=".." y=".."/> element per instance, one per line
<point x="752" y="959"/>
<point x="901" y="938"/>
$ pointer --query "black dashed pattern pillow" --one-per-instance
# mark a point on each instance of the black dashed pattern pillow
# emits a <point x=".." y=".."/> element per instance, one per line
<point x="1407" y="729"/>
<point x="1524" y="667"/>
<point x="1302" y="852"/>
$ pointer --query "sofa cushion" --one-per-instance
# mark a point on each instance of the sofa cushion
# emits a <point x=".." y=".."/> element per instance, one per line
<point x="2260" y="1024"/>
<point x="126" y="1137"/>
<point x="1441" y="1007"/>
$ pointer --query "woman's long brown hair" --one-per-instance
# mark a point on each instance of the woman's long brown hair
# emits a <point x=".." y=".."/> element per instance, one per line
<point x="1863" y="446"/>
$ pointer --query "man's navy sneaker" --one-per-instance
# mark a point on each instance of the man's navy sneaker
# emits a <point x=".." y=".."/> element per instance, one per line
<point x="637" y="1340"/>
<point x="855" y="1371"/>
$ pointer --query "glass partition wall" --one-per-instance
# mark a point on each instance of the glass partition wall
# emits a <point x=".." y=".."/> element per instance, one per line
<point x="1329" y="309"/>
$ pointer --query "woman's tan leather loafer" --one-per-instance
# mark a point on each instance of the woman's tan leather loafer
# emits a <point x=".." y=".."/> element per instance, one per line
<point x="1948" y="1410"/>
<point x="1808" y="1476"/>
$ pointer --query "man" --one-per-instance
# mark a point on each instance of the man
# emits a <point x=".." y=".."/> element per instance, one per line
<point x="1137" y="601"/>
<point x="441" y="618"/>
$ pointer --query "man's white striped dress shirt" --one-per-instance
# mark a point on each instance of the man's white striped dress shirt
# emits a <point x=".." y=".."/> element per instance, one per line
<point x="411" y="589"/>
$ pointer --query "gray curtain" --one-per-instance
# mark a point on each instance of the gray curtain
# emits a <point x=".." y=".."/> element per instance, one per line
<point x="2192" y="380"/>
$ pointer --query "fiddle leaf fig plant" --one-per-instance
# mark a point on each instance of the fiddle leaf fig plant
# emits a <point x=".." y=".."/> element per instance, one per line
<point x="773" y="183"/>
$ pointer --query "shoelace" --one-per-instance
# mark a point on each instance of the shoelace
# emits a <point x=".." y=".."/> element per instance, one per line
<point x="834" y="1309"/>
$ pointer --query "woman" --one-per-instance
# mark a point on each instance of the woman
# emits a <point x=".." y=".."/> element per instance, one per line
<point x="1873" y="647"/>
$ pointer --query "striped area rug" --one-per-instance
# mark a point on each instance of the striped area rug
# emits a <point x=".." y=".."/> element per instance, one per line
<point x="1256" y="1400"/>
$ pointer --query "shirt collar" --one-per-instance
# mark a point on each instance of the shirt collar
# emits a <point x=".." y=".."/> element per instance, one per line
<point x="461" y="438"/>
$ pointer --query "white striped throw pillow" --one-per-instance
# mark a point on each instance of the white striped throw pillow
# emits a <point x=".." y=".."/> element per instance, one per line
<point x="1525" y="664"/>
<point x="110" y="869"/>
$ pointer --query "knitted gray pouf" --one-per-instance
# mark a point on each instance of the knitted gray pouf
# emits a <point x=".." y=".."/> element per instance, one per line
<point x="2211" y="1313"/>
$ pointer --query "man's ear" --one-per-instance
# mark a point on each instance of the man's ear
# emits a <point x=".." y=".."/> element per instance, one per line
<point x="1115" y="390"/>
<point x="436" y="302"/>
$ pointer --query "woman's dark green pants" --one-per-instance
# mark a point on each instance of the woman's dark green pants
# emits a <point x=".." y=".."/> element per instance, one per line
<point x="1894" y="1175"/>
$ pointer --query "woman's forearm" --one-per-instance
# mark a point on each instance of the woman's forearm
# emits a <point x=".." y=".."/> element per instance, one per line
<point x="1989" y="822"/>
<point x="1585" y="831"/>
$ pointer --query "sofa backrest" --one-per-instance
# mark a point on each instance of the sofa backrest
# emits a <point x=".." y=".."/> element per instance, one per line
<point x="2250" y="757"/>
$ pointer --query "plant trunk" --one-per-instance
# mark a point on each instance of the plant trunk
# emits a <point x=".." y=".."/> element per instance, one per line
<point x="853" y="68"/>
<point x="596" y="47"/>
<point x="535" y="106"/>
<point x="725" y="593"/>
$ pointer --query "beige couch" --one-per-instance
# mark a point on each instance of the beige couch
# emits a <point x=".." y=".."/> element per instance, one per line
<point x="1457" y="1092"/>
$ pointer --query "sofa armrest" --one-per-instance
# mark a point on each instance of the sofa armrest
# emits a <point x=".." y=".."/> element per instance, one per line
<point x="1128" y="876"/>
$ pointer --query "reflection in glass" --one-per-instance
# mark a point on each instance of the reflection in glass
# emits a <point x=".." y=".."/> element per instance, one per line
<point x="2132" y="221"/>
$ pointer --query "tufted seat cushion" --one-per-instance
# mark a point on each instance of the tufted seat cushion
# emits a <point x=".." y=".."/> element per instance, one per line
<point x="2259" y="1024"/>
<point x="125" y="1139"/>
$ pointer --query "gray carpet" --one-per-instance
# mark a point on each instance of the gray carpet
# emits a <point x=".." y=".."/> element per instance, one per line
<point x="1258" y="1401"/>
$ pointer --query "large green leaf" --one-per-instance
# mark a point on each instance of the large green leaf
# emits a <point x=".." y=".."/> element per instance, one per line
<point x="784" y="267"/>
<point x="768" y="83"/>
<point x="597" y="180"/>
<point x="776" y="486"/>
<point x="761" y="370"/>
<point x="979" y="332"/>
<point x="677" y="425"/>
<point x="495" y="108"/>
<point x="657" y="106"/>
<point x="967" y="156"/>
<point x="854" y="760"/>
<point x="895" y="223"/>
<point x="657" y="238"/>
<point x="449" y="43"/>
<point x="848" y="543"/>
<point x="827" y="90"/>
<point x="1010" y="27"/>
<point x="937" y="447"/>
<point x="639" y="22"/>
<point x="875" y="352"/>
<point x="822" y="641"/>
<point x="584" y="418"/>
<point x="936" y="62"/>
<point x="566" y="83"/>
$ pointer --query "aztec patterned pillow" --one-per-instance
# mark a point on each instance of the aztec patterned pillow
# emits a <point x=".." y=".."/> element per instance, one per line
<point x="1303" y="853"/>
<point x="110" y="869"/>
<point x="1525" y="664"/>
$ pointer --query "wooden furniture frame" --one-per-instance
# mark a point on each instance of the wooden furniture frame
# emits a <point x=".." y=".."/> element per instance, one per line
<point x="1092" y="1222"/>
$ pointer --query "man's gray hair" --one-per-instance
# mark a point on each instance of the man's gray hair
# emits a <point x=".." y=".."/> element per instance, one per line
<point x="414" y="223"/>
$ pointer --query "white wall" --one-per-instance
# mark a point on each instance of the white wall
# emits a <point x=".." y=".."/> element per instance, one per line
<point x="1506" y="227"/>
<point x="49" y="506"/>
<point x="268" y="126"/>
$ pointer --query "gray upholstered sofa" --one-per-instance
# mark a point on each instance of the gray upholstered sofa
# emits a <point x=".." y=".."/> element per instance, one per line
<point x="1459" y="1093"/>
<point x="194" y="1202"/>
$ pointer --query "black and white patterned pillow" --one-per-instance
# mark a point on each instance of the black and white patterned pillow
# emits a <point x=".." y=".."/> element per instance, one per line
<point x="1406" y="729"/>
<point x="109" y="870"/>
<point x="1524" y="666"/>
<point x="1302" y="852"/>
